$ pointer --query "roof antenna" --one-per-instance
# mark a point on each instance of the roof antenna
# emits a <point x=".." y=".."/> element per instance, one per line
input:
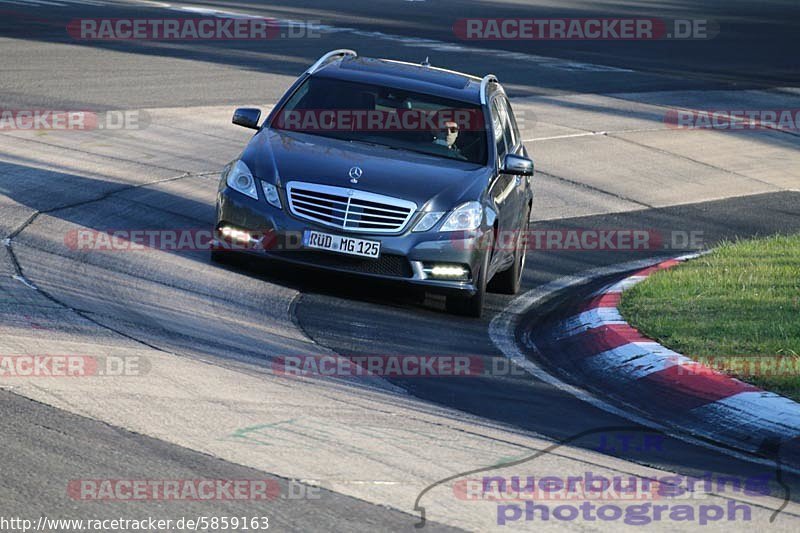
<point x="427" y="62"/>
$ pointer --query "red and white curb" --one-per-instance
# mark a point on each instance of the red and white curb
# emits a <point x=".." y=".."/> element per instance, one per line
<point x="680" y="391"/>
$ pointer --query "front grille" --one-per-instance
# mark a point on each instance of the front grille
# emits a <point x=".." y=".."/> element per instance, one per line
<point x="349" y="209"/>
<point x="385" y="265"/>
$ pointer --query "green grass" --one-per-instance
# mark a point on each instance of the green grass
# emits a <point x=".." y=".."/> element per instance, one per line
<point x="736" y="309"/>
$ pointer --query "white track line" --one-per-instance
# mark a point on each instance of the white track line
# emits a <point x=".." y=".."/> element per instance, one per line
<point x="567" y="136"/>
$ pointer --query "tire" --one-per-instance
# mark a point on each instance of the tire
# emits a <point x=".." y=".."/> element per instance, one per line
<point x="509" y="280"/>
<point x="219" y="257"/>
<point x="224" y="256"/>
<point x="472" y="306"/>
<point x="221" y="254"/>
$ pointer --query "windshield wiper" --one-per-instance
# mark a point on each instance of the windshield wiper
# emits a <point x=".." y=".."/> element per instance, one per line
<point x="372" y="143"/>
<point x="406" y="149"/>
<point x="390" y="147"/>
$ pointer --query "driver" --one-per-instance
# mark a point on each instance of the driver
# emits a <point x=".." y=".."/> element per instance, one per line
<point x="447" y="136"/>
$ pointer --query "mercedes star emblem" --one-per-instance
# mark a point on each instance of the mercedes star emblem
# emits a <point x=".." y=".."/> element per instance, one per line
<point x="355" y="173"/>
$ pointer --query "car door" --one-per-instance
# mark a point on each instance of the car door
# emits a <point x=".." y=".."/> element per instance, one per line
<point x="517" y="198"/>
<point x="504" y="188"/>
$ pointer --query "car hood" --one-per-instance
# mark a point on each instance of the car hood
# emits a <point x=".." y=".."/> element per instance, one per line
<point x="440" y="183"/>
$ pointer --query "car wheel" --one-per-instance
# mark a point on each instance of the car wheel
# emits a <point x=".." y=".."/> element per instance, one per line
<point x="219" y="257"/>
<point x="472" y="306"/>
<point x="222" y="256"/>
<point x="509" y="280"/>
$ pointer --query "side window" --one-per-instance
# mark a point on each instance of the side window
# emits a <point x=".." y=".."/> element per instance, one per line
<point x="508" y="126"/>
<point x="512" y="133"/>
<point x="497" y="127"/>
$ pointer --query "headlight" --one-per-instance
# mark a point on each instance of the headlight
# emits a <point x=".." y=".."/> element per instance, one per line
<point x="465" y="217"/>
<point x="428" y="221"/>
<point x="241" y="179"/>
<point x="271" y="194"/>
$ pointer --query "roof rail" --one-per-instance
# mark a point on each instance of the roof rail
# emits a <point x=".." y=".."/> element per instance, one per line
<point x="489" y="78"/>
<point x="327" y="57"/>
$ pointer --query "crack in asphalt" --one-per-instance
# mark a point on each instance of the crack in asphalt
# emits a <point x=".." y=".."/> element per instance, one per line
<point x="95" y="318"/>
<point x="85" y="312"/>
<point x="681" y="108"/>
<point x="592" y="188"/>
<point x="95" y="154"/>
<point x="563" y="442"/>
<point x="9" y="244"/>
<point x="695" y="161"/>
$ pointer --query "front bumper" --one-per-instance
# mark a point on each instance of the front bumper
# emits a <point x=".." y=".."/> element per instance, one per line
<point x="403" y="256"/>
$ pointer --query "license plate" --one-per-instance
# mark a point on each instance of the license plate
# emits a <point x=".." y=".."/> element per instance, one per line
<point x="341" y="244"/>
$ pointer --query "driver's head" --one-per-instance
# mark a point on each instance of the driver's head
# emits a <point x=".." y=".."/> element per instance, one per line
<point x="449" y="133"/>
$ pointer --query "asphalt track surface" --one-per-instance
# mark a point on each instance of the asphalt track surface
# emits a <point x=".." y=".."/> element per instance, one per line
<point x="180" y="309"/>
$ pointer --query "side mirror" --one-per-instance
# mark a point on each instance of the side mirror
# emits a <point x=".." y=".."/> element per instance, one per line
<point x="247" y="117"/>
<point x="517" y="165"/>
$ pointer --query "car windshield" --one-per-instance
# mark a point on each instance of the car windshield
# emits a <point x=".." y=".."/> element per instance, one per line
<point x="386" y="116"/>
